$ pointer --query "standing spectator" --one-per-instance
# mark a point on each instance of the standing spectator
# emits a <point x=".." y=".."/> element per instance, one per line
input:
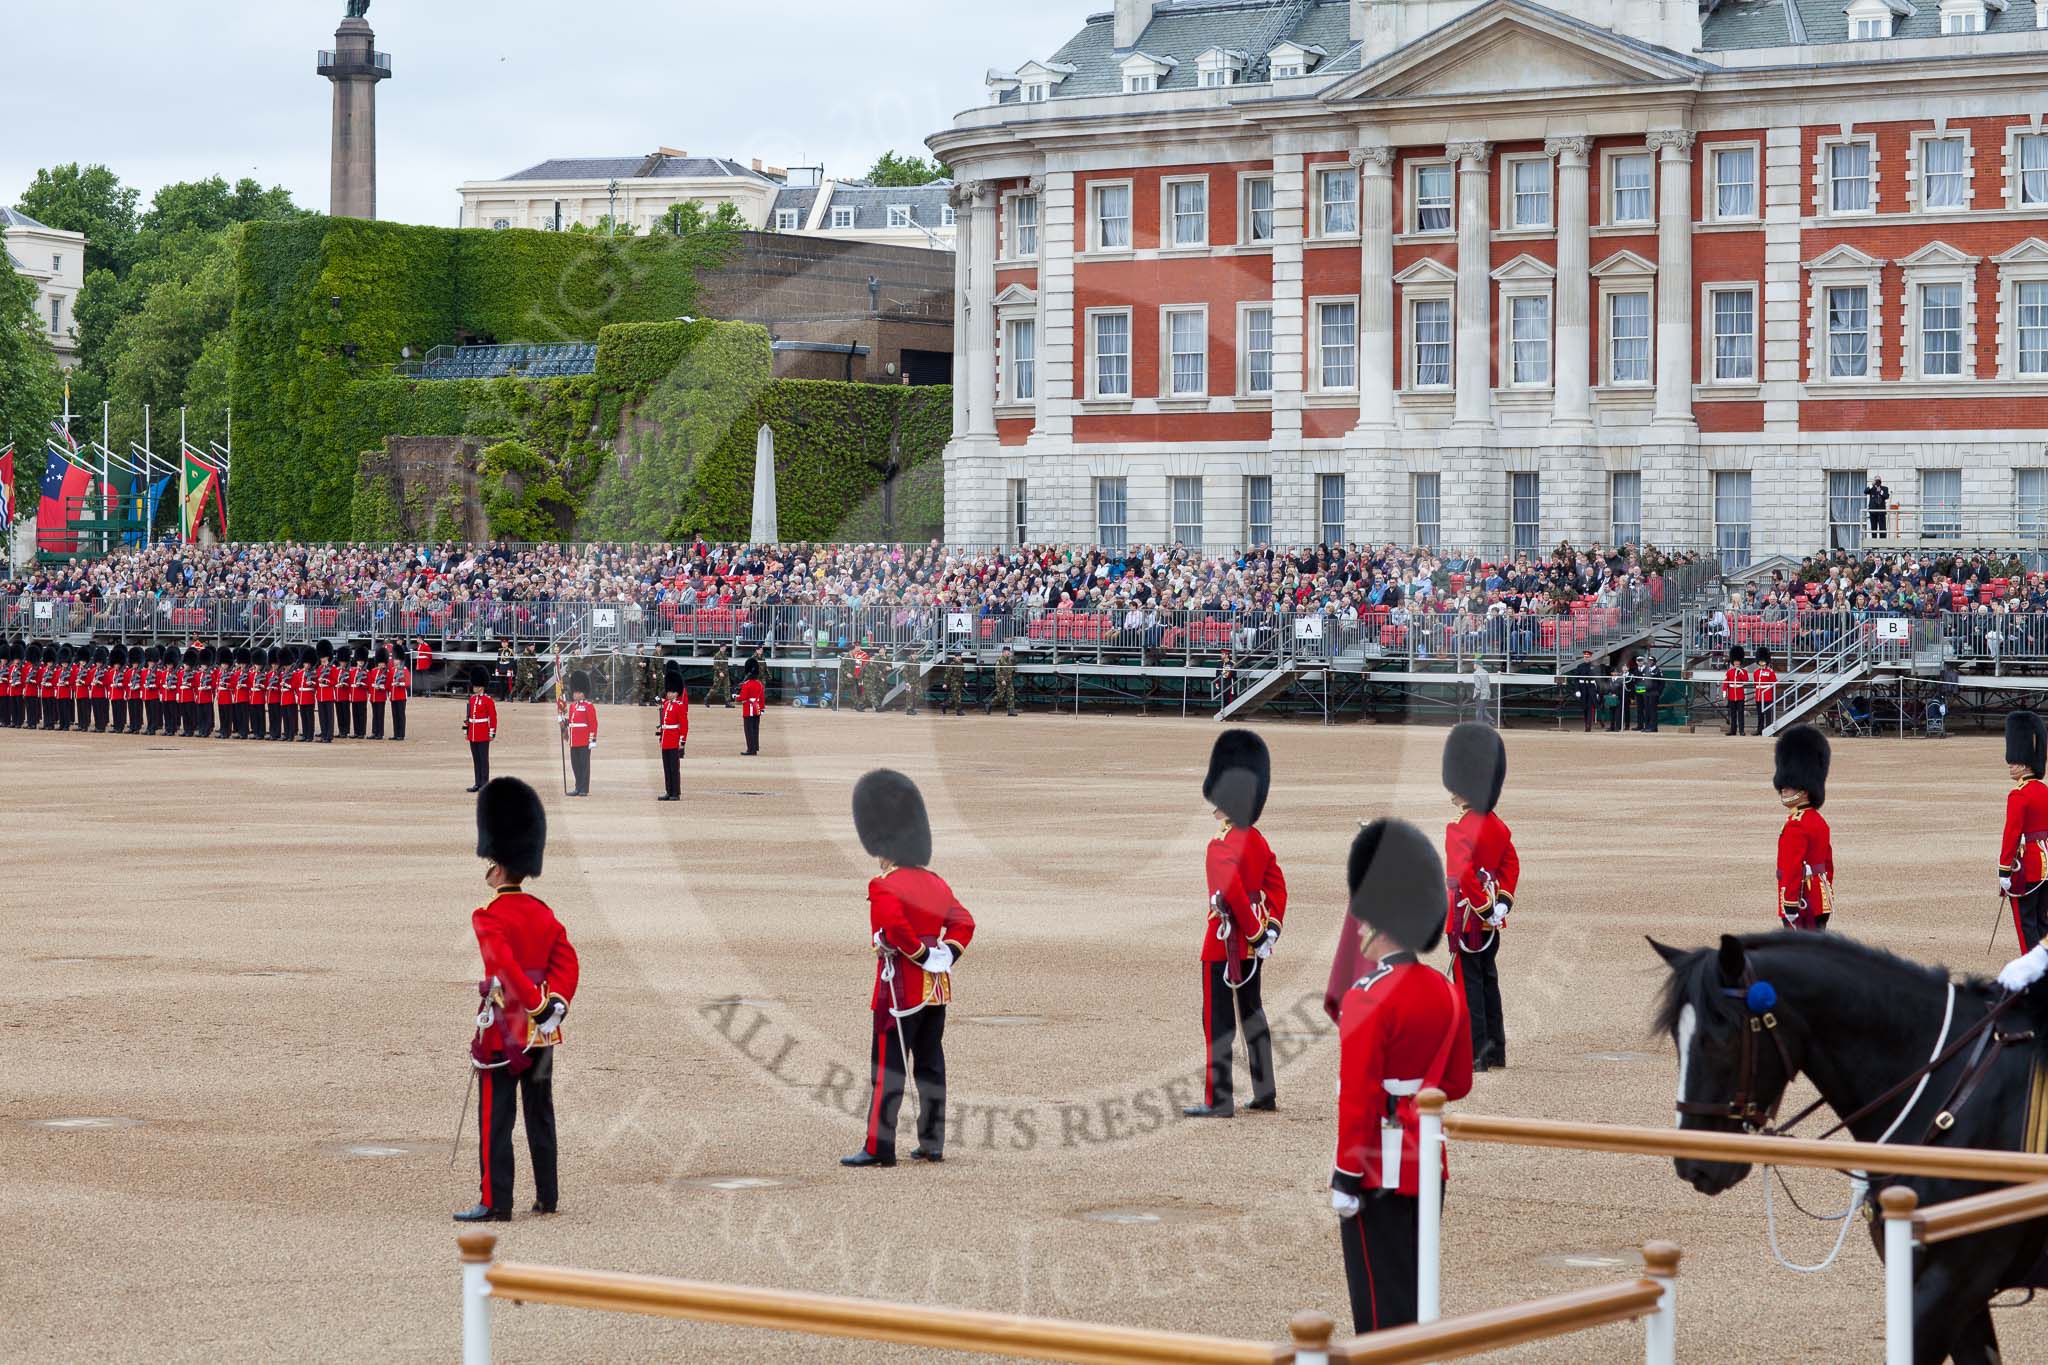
<point x="1482" y="692"/>
<point x="1879" y="498"/>
<point x="1586" y="687"/>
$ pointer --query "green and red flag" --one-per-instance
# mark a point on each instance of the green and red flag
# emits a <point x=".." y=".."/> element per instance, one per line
<point x="201" y="489"/>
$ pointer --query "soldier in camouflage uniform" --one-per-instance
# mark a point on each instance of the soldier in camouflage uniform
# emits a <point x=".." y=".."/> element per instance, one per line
<point x="650" y="680"/>
<point x="906" y="659"/>
<point x="874" y="680"/>
<point x="844" y="694"/>
<point x="1006" y="683"/>
<point x="526" y="675"/>
<point x="721" y="681"/>
<point x="955" y="682"/>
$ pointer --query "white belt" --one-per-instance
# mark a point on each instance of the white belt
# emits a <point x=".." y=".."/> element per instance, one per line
<point x="1402" y="1087"/>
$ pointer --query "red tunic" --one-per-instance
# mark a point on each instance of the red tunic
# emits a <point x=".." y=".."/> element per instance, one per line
<point x="380" y="683"/>
<point x="582" y="720"/>
<point x="909" y="910"/>
<point x="1806" y="870"/>
<point x="1241" y="868"/>
<point x="324" y="682"/>
<point x="753" y="697"/>
<point x="1402" y="1030"/>
<point x="1481" y="865"/>
<point x="401" y="681"/>
<point x="480" y="724"/>
<point x="1733" y="688"/>
<point x="518" y="934"/>
<point x="359" y="683"/>
<point x="675" y="721"/>
<point x="1766" y="679"/>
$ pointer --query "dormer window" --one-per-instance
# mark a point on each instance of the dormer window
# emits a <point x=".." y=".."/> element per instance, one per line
<point x="899" y="215"/>
<point x="842" y="219"/>
<point x="1035" y="92"/>
<point x="1140" y="85"/>
<point x="1281" y="73"/>
<point x="1967" y="16"/>
<point x="1221" y="66"/>
<point x="1144" y="73"/>
<point x="1290" y="60"/>
<point x="1034" y="82"/>
<point x="1872" y="20"/>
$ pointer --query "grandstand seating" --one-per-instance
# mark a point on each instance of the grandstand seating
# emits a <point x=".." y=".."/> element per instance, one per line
<point x="492" y="362"/>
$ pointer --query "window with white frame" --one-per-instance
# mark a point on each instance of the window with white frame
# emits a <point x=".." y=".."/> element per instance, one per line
<point x="1109" y="344"/>
<point x="2030" y="503"/>
<point x="1436" y="190"/>
<point x="1330" y="498"/>
<point x="2030" y="326"/>
<point x="1285" y="70"/>
<point x="1035" y="92"/>
<point x="1221" y="66"/>
<point x="1212" y="79"/>
<point x="1256" y="213"/>
<point x="1024" y="227"/>
<point x="1429" y="330"/>
<point x="1427" y="493"/>
<point x="1873" y="27"/>
<point x="1731" y="323"/>
<point x="948" y="216"/>
<point x="1941" y="503"/>
<point x="1140" y="84"/>
<point x="1255" y="327"/>
<point x="1844" y="319"/>
<point x="1528" y="192"/>
<point x="2030" y="169"/>
<point x="1020" y="512"/>
<point x="1110" y="213"/>
<point x="1962" y="16"/>
<point x="1112" y="513"/>
<point x="56" y="262"/>
<point x="500" y="224"/>
<point x="1846" y="506"/>
<point x="1187" y="352"/>
<point x="1336" y="345"/>
<point x="1187" y="205"/>
<point x="56" y="312"/>
<point x="1525" y="504"/>
<point x="1732" y="518"/>
<point x="899" y="215"/>
<point x="1337" y="202"/>
<point x="785" y="220"/>
<point x="1943" y="172"/>
<point x="1187" y="511"/>
<point x="1941" y="331"/>
<point x="1733" y="170"/>
<point x="1939" y="313"/>
<point x="842" y="219"/>
<point x="1020" y="346"/>
<point x="1870" y="20"/>
<point x="1848" y="176"/>
<point x="1625" y="508"/>
<point x="1630" y="198"/>
<point x="1628" y="337"/>
<point x="1848" y="331"/>
<point x="1258" y="509"/>
<point x="1529" y="356"/>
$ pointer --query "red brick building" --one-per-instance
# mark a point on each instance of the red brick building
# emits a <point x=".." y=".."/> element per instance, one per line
<point x="1484" y="273"/>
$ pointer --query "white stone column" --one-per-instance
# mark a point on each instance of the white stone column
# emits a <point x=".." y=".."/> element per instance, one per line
<point x="1056" y="348"/>
<point x="963" y="255"/>
<point x="981" y="317"/>
<point x="1475" y="285"/>
<point x="1376" y="288"/>
<point x="1290" y="208"/>
<point x="1572" y="402"/>
<point x="1674" y="276"/>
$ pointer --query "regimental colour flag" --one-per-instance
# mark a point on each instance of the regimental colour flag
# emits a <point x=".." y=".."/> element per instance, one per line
<point x="201" y="490"/>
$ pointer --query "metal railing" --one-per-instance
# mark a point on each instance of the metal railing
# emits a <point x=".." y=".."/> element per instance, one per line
<point x="1953" y="525"/>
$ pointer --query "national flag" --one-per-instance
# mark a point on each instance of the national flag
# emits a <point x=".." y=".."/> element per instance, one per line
<point x="201" y="487"/>
<point x="7" y="486"/>
<point x="64" y="434"/>
<point x="64" y="485"/>
<point x="150" y="499"/>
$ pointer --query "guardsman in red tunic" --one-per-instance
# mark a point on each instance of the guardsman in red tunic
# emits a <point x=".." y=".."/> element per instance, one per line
<point x="753" y="705"/>
<point x="579" y="723"/>
<point x="1401" y="1029"/>
<point x="401" y="692"/>
<point x="1246" y="904"/>
<point x="480" y="724"/>
<point x="10" y="684"/>
<point x="131" y="685"/>
<point x="2023" y="847"/>
<point x="285" y="718"/>
<point x="673" y="730"/>
<point x="358" y="693"/>
<point x="324" y="673"/>
<point x="1484" y="871"/>
<point x="92" y="704"/>
<point x="380" y="689"/>
<point x="66" y="670"/>
<point x="274" y="699"/>
<point x="224" y="682"/>
<point x="1765" y="679"/>
<point x="1735" y="689"/>
<point x="203" y="687"/>
<point x="919" y="929"/>
<point x="52" y="668"/>
<point x="422" y="658"/>
<point x="1806" y="850"/>
<point x="530" y="977"/>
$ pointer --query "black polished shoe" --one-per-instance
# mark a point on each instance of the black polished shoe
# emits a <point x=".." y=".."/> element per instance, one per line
<point x="1271" y="1106"/>
<point x="484" y="1213"/>
<point x="539" y="1207"/>
<point x="1209" y="1111"/>
<point x="472" y="789"/>
<point x="859" y="1159"/>
<point x="1479" y="1066"/>
<point x="920" y="1154"/>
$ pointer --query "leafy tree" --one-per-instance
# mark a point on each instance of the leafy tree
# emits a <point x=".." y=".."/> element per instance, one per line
<point x="158" y="350"/>
<point x="895" y="169"/>
<point x="91" y="200"/>
<point x="30" y="386"/>
<point x="688" y="218"/>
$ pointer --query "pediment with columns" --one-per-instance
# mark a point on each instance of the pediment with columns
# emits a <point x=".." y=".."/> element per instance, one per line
<point x="1512" y="47"/>
<point x="1624" y="263"/>
<point x="1525" y="267"/>
<point x="1016" y="296"/>
<point x="1428" y="270"/>
<point x="1845" y="257"/>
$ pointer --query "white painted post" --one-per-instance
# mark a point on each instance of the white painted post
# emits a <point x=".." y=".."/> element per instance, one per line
<point x="1660" y="1329"/>
<point x="1429" y="1189"/>
<point x="1311" y="1332"/>
<point x="476" y="1304"/>
<point x="1899" y="1204"/>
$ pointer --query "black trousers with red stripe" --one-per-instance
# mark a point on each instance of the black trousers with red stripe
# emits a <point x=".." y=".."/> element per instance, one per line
<point x="1380" y="1260"/>
<point x="924" y="1038"/>
<point x="1222" y="1008"/>
<point x="1479" y="976"/>
<point x="498" y="1099"/>
<point x="2030" y="916"/>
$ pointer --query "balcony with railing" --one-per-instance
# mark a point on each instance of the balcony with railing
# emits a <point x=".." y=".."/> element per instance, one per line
<point x="343" y="62"/>
<point x="1934" y="525"/>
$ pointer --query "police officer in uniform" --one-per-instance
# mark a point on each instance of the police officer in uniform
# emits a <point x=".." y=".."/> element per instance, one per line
<point x="673" y="730"/>
<point x="1401" y="1029"/>
<point x="530" y="977"/>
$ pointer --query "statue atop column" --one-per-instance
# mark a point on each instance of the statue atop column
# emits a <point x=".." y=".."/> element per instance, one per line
<point x="358" y="8"/>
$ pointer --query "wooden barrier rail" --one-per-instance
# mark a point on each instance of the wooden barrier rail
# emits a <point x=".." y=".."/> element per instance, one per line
<point x="1980" y="1213"/>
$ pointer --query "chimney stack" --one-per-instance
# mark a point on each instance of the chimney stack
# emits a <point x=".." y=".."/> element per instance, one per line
<point x="1132" y="18"/>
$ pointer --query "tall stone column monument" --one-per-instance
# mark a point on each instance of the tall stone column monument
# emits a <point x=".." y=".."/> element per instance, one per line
<point x="355" y="66"/>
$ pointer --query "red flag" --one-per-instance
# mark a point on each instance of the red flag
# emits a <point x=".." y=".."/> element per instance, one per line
<point x="7" y="487"/>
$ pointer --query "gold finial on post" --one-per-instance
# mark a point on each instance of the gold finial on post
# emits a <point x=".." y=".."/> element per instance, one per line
<point x="476" y="1247"/>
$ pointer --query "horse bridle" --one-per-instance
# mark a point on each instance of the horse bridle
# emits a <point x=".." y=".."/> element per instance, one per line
<point x="1745" y="1108"/>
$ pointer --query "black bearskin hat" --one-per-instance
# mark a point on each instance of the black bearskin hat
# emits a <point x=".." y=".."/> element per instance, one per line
<point x="242" y="655"/>
<point x="511" y="827"/>
<point x="324" y="650"/>
<point x="63" y="654"/>
<point x="1763" y="656"/>
<point x="206" y="655"/>
<point x="1240" y="775"/>
<point x="479" y="677"/>
<point x="1397" y="883"/>
<point x="752" y="669"/>
<point x="2026" y="741"/>
<point x="1735" y="655"/>
<point x="672" y="677"/>
<point x="1803" y="757"/>
<point x="888" y="814"/>
<point x="579" y="681"/>
<point x="1475" y="765"/>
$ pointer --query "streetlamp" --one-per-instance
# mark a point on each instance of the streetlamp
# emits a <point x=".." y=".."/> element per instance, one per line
<point x="612" y="189"/>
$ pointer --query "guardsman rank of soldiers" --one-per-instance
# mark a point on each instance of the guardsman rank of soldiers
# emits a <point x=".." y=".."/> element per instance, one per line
<point x="721" y="679"/>
<point x="1006" y="684"/>
<point x="1401" y="1029"/>
<point x="1765" y="679"/>
<point x="326" y="686"/>
<point x="1735" y="689"/>
<point x="1484" y="871"/>
<point x="2023" y="845"/>
<point x="673" y="731"/>
<point x="579" y="723"/>
<point x="956" y="683"/>
<point x="380" y="689"/>
<point x="753" y="704"/>
<point x="1806" y="849"/>
<point x="359" y="691"/>
<point x="530" y="977"/>
<point x="480" y="725"/>
<point x="401" y="692"/>
<point x="1246" y="906"/>
<point x="918" y="929"/>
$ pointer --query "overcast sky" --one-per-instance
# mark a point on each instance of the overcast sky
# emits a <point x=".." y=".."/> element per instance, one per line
<point x="167" y="90"/>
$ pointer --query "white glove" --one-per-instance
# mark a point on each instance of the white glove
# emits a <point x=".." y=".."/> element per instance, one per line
<point x="938" y="959"/>
<point x="1344" y="1205"/>
<point x="1268" y="940"/>
<point x="2005" y="885"/>
<point x="2025" y="970"/>
<point x="549" y="1020"/>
